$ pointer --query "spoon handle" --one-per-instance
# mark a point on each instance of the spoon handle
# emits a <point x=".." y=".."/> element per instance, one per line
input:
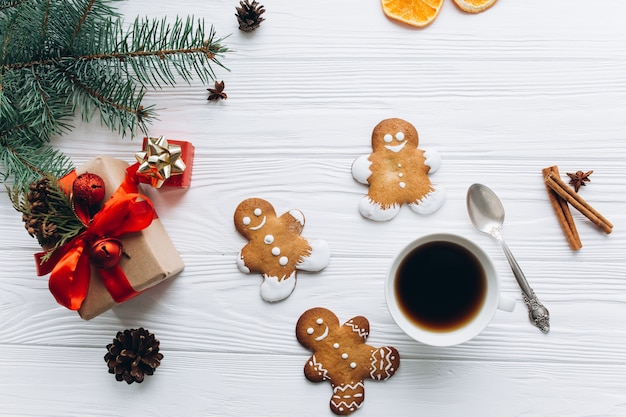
<point x="517" y="271"/>
<point x="538" y="314"/>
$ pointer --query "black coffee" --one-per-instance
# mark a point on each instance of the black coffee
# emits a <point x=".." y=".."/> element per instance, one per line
<point x="440" y="286"/>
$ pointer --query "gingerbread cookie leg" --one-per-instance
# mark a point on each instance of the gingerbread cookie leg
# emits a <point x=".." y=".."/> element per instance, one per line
<point x="431" y="202"/>
<point x="274" y="289"/>
<point x="375" y="211"/>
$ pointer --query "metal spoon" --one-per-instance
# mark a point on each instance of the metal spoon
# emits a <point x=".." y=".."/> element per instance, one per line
<point x="487" y="215"/>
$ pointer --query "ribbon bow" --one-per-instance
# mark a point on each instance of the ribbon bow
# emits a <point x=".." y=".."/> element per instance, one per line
<point x="69" y="280"/>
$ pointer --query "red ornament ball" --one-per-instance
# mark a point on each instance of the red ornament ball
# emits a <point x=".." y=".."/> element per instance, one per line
<point x="89" y="189"/>
<point x="106" y="253"/>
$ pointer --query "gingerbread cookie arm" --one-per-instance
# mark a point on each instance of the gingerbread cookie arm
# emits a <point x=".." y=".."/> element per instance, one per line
<point x="358" y="328"/>
<point x="433" y="160"/>
<point x="361" y="169"/>
<point x="318" y="258"/>
<point x="293" y="221"/>
<point x="241" y="260"/>
<point x="314" y="371"/>
<point x="384" y="363"/>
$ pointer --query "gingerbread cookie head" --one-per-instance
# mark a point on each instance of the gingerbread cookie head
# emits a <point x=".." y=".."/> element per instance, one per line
<point x="275" y="247"/>
<point x="394" y="135"/>
<point x="341" y="356"/>
<point x="397" y="173"/>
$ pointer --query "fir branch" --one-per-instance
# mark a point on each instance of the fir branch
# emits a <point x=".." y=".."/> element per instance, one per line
<point x="25" y="163"/>
<point x="60" y="57"/>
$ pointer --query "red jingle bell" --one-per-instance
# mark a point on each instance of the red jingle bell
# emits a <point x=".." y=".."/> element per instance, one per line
<point x="106" y="253"/>
<point x="88" y="189"/>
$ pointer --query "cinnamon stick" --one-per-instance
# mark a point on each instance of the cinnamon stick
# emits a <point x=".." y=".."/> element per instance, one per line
<point x="565" y="192"/>
<point x="563" y="214"/>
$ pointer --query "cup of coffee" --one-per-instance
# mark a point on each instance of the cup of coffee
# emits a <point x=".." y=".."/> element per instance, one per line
<point x="442" y="290"/>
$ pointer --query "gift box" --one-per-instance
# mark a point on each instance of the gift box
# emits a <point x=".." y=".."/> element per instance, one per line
<point x="148" y="256"/>
<point x="176" y="155"/>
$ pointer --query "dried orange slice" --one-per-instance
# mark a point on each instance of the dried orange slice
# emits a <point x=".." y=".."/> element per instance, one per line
<point x="474" y="6"/>
<point x="418" y="13"/>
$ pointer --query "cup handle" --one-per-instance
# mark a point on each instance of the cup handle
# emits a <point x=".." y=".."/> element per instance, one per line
<point x="506" y="303"/>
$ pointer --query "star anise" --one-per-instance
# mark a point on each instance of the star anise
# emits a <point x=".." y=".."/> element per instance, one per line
<point x="217" y="93"/>
<point x="579" y="178"/>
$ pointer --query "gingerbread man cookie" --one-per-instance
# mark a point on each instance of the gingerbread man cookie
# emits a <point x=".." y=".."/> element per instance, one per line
<point x="341" y="356"/>
<point x="275" y="247"/>
<point x="397" y="173"/>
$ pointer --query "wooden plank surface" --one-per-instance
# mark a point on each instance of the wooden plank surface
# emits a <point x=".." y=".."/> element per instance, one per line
<point x="501" y="95"/>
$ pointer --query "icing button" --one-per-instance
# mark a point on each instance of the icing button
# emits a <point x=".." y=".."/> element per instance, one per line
<point x="276" y="251"/>
<point x="269" y="239"/>
<point x="283" y="260"/>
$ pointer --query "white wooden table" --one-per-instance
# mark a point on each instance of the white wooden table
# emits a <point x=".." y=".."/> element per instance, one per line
<point x="501" y="95"/>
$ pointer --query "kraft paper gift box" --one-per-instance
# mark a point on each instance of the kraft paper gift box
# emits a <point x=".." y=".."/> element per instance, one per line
<point x="149" y="256"/>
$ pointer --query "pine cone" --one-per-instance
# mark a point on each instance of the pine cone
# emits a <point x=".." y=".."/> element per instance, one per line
<point x="249" y="15"/>
<point x="133" y="354"/>
<point x="46" y="232"/>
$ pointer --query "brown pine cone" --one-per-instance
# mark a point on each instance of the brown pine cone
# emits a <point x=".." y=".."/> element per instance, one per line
<point x="249" y="15"/>
<point x="133" y="354"/>
<point x="45" y="231"/>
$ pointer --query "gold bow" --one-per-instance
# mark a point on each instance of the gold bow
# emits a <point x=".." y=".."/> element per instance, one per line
<point x="160" y="161"/>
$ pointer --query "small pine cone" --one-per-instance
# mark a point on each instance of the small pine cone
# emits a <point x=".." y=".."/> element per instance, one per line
<point x="133" y="354"/>
<point x="249" y="15"/>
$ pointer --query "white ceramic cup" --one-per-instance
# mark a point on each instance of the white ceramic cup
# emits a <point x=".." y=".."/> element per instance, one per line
<point x="478" y="321"/>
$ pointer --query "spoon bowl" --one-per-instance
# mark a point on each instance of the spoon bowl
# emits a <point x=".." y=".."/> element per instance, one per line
<point x="487" y="215"/>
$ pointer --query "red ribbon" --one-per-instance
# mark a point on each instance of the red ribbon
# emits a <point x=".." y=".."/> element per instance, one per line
<point x="125" y="212"/>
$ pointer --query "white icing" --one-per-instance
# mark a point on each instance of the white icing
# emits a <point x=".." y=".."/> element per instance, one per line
<point x="273" y="289"/>
<point x="344" y="356"/>
<point x="361" y="169"/>
<point x="433" y="160"/>
<point x="298" y="215"/>
<point x="310" y="330"/>
<point x="241" y="264"/>
<point x="396" y="148"/>
<point x="319" y="321"/>
<point x="336" y="345"/>
<point x="352" y="365"/>
<point x="283" y="260"/>
<point x="388" y="138"/>
<point x="260" y="225"/>
<point x="323" y="335"/>
<point x="375" y="211"/>
<point x="361" y="332"/>
<point x="400" y="175"/>
<point x="319" y="257"/>
<point x="402" y="184"/>
<point x="431" y="202"/>
<point x="399" y="165"/>
<point x="275" y="251"/>
<point x="400" y="136"/>
<point x="246" y="221"/>
<point x="268" y="239"/>
<point x="258" y="212"/>
<point x="319" y="368"/>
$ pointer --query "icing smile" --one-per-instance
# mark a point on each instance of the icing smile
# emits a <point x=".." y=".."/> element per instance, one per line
<point x="396" y="148"/>
<point x="260" y="225"/>
<point x="323" y="335"/>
